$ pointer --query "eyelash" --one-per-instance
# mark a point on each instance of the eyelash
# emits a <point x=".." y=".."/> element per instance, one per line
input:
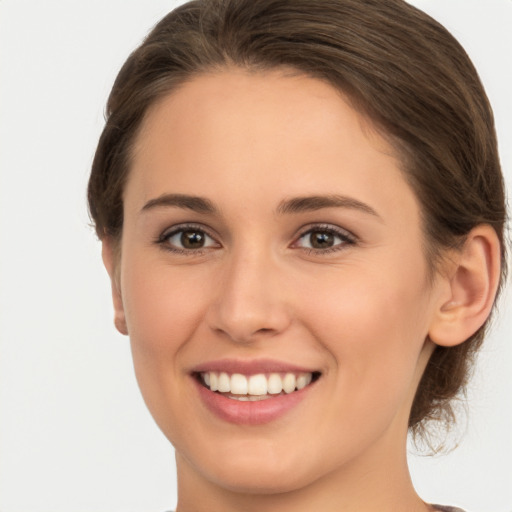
<point x="163" y="240"/>
<point x="346" y="238"/>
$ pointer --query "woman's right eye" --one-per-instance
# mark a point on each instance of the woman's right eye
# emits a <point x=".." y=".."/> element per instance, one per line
<point x="187" y="240"/>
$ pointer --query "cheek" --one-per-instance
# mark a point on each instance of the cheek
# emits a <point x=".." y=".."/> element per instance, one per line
<point x="163" y="308"/>
<point x="373" y="321"/>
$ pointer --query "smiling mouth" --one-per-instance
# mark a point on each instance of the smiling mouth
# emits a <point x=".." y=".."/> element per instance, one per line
<point x="253" y="388"/>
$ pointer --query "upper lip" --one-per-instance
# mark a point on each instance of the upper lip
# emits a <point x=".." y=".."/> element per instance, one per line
<point x="250" y="367"/>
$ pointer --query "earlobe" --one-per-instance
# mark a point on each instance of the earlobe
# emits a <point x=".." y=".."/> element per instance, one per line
<point x="111" y="261"/>
<point x="471" y="289"/>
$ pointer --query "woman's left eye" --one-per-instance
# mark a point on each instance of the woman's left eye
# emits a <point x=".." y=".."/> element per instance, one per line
<point x="187" y="239"/>
<point x="324" y="239"/>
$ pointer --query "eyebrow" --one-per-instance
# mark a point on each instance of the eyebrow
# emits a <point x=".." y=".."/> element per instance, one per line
<point x="193" y="203"/>
<point x="289" y="206"/>
<point x="316" y="202"/>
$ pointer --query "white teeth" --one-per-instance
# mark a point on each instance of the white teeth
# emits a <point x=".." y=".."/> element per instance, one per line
<point x="239" y="384"/>
<point x="275" y="384"/>
<point x="303" y="380"/>
<point x="254" y="398"/>
<point x="224" y="383"/>
<point x="289" y="383"/>
<point x="214" y="381"/>
<point x="248" y="398"/>
<point x="255" y="387"/>
<point x="257" y="384"/>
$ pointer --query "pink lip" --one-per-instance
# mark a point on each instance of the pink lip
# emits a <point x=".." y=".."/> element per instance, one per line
<point x="249" y="367"/>
<point x="249" y="413"/>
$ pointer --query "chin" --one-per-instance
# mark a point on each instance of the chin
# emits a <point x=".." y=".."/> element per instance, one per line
<point x="257" y="469"/>
<point x="260" y="480"/>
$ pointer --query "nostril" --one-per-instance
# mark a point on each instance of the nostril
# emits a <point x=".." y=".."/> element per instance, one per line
<point x="264" y="330"/>
<point x="242" y="336"/>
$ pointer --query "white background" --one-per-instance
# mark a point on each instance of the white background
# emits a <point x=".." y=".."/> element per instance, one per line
<point x="74" y="433"/>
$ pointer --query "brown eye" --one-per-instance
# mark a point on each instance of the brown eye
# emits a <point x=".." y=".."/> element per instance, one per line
<point x="326" y="239"/>
<point x="187" y="240"/>
<point x="321" y="239"/>
<point x="192" y="239"/>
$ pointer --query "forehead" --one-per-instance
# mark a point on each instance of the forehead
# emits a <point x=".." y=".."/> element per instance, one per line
<point x="235" y="96"/>
<point x="266" y="135"/>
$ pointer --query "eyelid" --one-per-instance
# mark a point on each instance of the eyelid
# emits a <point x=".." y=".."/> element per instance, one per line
<point x="163" y="238"/>
<point x="186" y="226"/>
<point x="347" y="237"/>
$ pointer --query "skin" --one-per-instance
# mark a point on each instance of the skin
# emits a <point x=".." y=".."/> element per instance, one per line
<point x="361" y="312"/>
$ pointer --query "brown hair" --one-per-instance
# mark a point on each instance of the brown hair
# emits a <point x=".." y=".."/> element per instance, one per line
<point x="395" y="64"/>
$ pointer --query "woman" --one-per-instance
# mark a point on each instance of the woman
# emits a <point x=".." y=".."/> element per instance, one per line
<point x="302" y="213"/>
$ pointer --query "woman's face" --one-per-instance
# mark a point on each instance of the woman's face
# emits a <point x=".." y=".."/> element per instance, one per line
<point x="269" y="233"/>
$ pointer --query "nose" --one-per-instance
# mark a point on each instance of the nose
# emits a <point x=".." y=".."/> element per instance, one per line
<point x="250" y="302"/>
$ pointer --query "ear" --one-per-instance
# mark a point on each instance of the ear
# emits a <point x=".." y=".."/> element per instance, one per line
<point x="111" y="260"/>
<point x="469" y="288"/>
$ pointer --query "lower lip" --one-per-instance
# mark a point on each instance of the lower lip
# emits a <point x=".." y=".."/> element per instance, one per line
<point x="250" y="413"/>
